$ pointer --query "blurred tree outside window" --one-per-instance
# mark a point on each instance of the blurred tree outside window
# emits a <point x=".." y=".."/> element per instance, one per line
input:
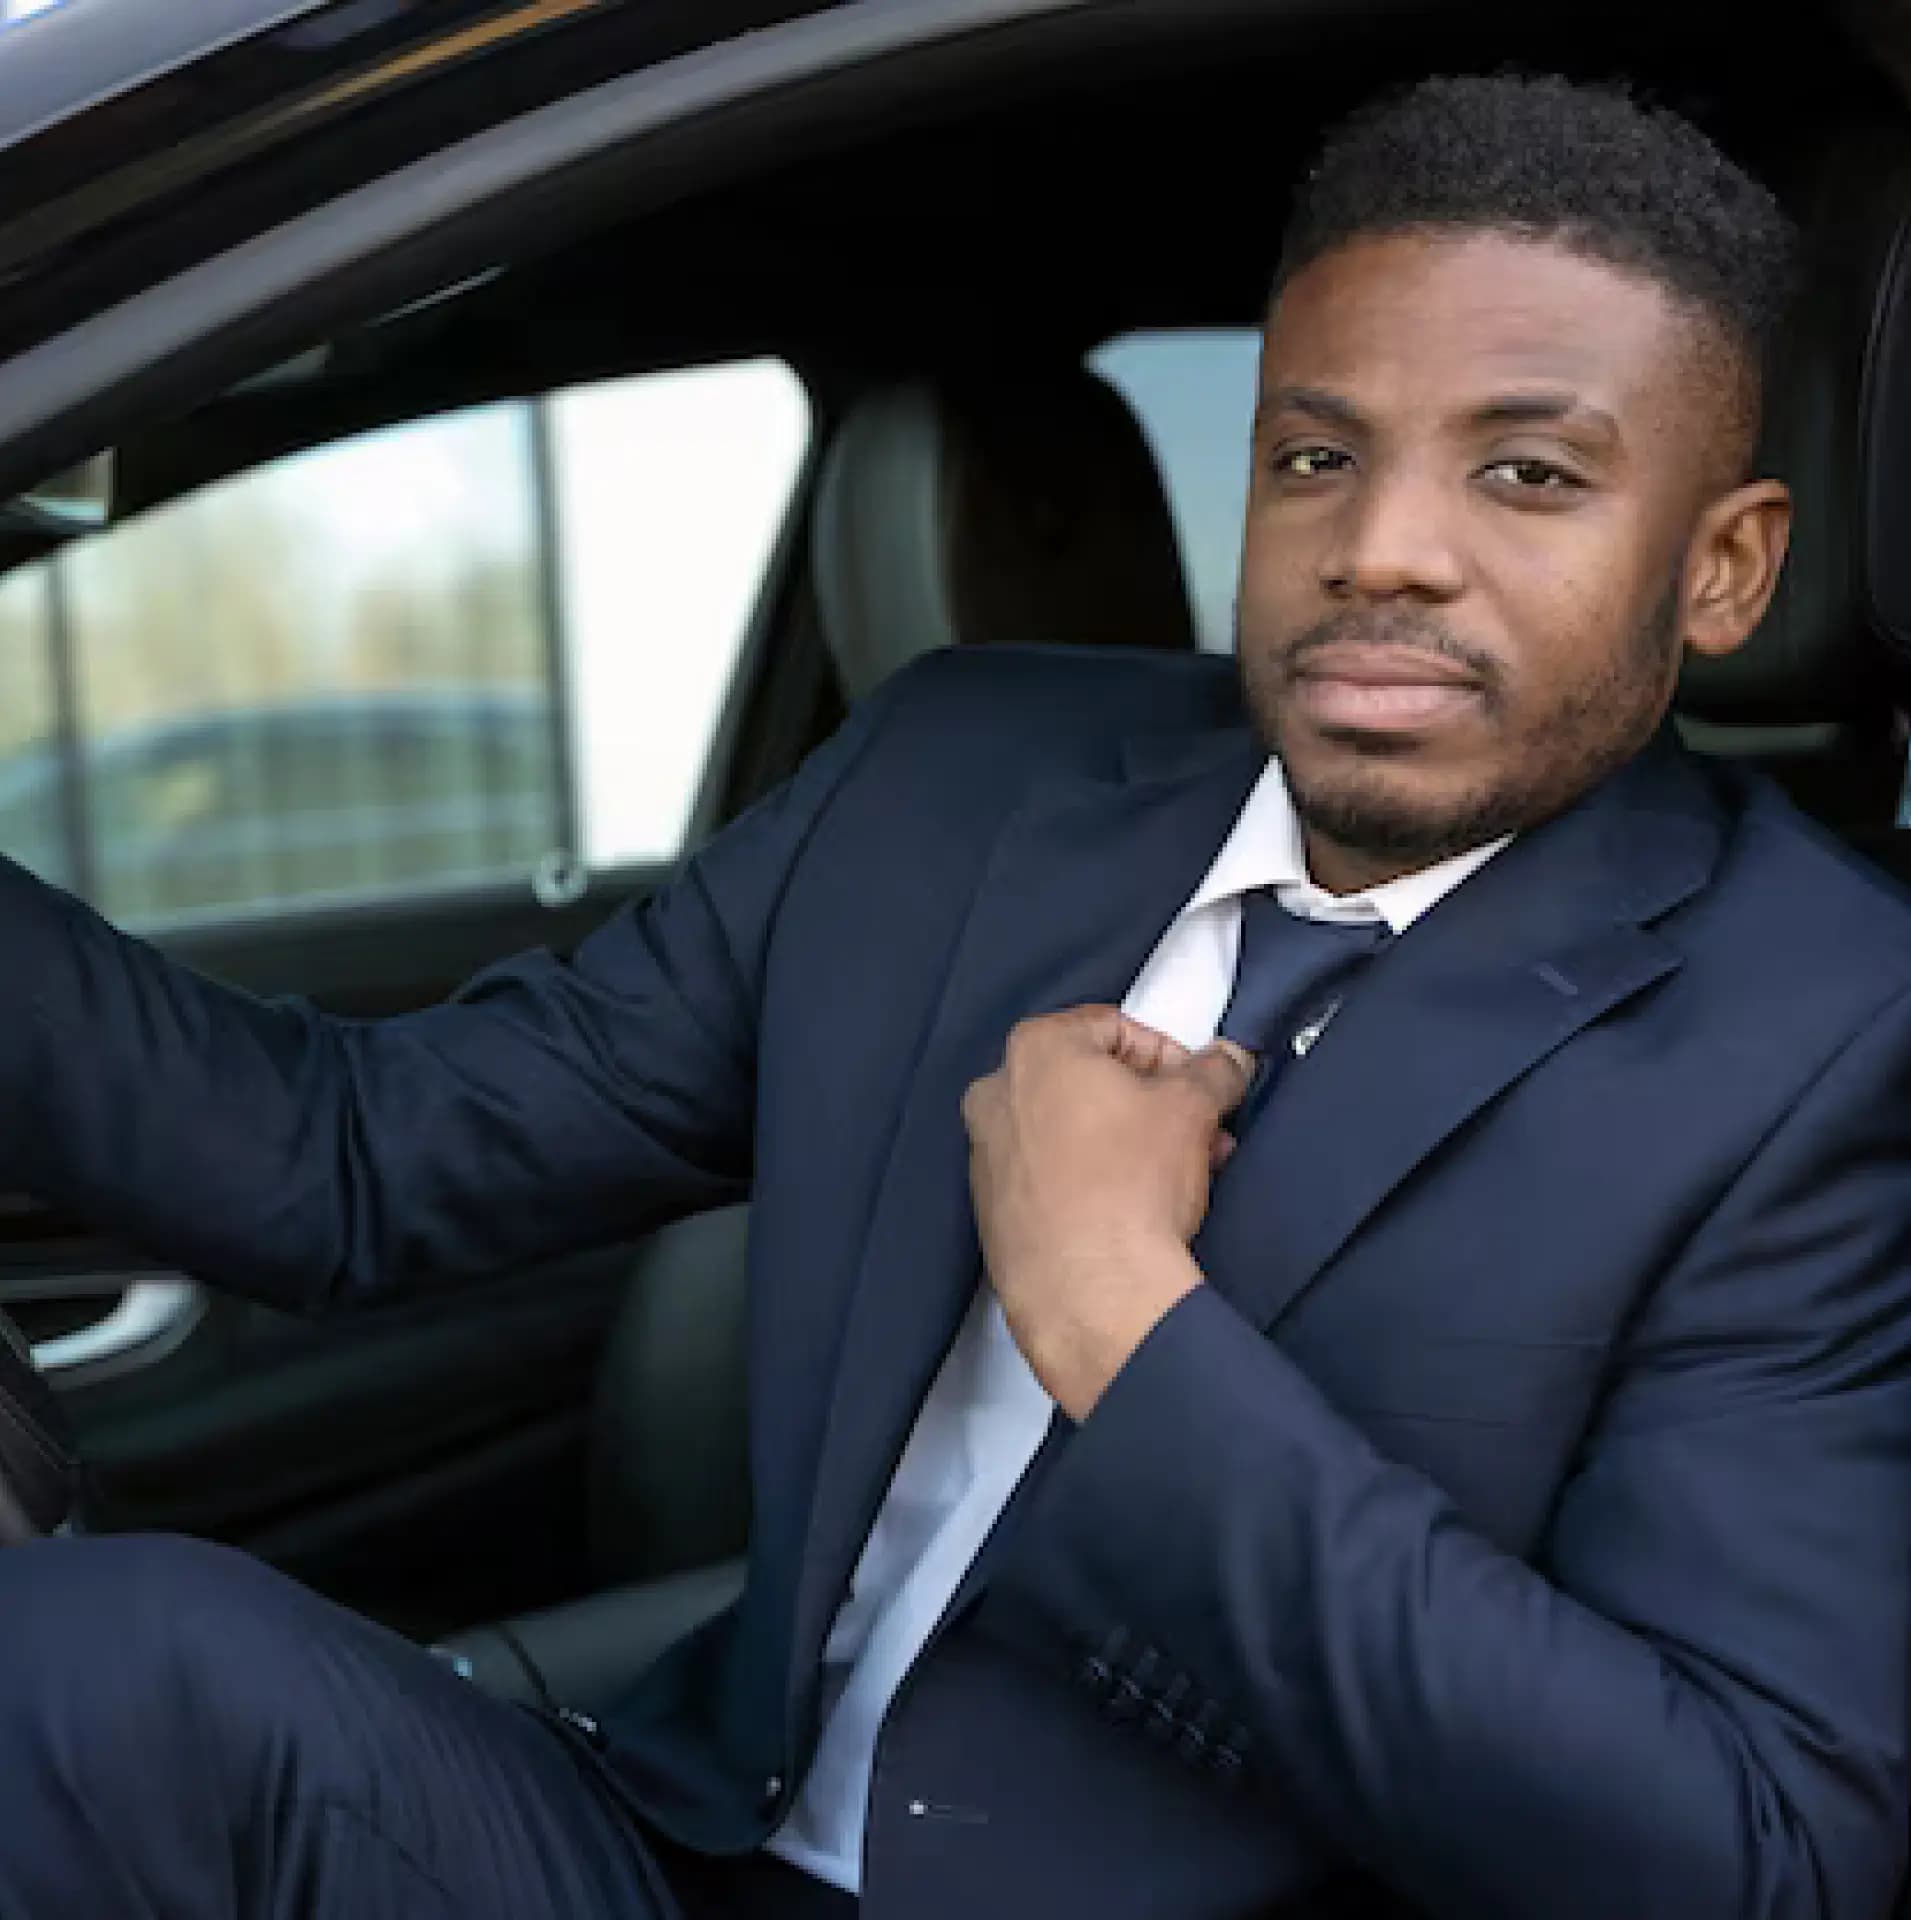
<point x="430" y="657"/>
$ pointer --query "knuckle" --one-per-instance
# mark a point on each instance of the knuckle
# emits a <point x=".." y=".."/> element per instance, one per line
<point x="1029" y="1034"/>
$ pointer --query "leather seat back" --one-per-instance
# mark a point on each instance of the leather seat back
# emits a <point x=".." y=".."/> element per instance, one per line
<point x="1809" y="699"/>
<point x="670" y="1477"/>
<point x="1004" y="505"/>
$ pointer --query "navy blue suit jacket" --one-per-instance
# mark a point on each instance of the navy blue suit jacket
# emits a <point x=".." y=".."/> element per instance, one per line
<point x="1519" y="1521"/>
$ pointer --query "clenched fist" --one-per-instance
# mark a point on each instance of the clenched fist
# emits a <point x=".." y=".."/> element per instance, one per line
<point x="1091" y="1149"/>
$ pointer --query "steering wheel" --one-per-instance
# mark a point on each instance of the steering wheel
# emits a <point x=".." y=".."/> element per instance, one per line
<point x="39" y="1470"/>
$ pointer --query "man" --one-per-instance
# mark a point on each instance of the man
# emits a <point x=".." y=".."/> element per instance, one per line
<point x="1390" y="1390"/>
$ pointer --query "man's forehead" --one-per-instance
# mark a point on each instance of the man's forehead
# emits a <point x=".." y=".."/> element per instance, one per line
<point x="1462" y="317"/>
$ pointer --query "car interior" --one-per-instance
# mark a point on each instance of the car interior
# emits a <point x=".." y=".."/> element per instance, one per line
<point x="546" y="1475"/>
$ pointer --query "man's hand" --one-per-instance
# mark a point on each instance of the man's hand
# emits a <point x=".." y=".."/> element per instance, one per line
<point x="1091" y="1151"/>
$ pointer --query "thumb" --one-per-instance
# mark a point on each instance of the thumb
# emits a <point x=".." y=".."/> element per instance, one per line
<point x="1224" y="1073"/>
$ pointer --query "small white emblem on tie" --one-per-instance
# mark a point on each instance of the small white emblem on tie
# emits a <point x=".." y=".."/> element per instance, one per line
<point x="1304" y="1038"/>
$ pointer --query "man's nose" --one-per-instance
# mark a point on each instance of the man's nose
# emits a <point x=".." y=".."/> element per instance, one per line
<point x="1394" y="539"/>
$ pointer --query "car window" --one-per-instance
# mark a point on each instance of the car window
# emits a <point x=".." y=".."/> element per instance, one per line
<point x="1193" y="393"/>
<point x="469" y="650"/>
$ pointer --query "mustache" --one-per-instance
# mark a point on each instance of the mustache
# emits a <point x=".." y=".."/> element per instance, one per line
<point x="1418" y="631"/>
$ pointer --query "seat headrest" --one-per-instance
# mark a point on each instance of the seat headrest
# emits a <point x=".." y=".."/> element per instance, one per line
<point x="1885" y="450"/>
<point x="1838" y="430"/>
<point x="1017" y="506"/>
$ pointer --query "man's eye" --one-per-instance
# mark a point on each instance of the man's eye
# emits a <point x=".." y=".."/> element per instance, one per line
<point x="1534" y="475"/>
<point x="1309" y="463"/>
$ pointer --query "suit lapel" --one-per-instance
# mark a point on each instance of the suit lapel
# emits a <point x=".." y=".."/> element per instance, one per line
<point x="1546" y="938"/>
<point x="1082" y="882"/>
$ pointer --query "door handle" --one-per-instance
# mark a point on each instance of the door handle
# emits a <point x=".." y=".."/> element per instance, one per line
<point x="143" y="1317"/>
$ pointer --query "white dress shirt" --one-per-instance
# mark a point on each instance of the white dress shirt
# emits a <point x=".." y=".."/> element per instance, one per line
<point x="986" y="1414"/>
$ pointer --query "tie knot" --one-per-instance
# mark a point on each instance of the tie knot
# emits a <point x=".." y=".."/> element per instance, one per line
<point x="1291" y="970"/>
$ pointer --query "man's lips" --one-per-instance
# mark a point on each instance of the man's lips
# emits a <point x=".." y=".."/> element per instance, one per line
<point x="1388" y="689"/>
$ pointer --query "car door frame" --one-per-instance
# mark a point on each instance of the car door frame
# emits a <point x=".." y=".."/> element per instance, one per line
<point x="530" y="184"/>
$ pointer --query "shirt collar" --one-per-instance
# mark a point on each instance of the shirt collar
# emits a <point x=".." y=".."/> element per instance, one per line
<point x="1265" y="849"/>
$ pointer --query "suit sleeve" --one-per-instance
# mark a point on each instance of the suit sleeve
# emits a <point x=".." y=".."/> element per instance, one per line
<point x="1693" y="1704"/>
<point x="309" y="1161"/>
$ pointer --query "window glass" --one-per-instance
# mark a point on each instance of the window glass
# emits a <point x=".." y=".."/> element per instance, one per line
<point x="1193" y="393"/>
<point x="30" y="798"/>
<point x="672" y="493"/>
<point x="327" y="677"/>
<point x="338" y="677"/>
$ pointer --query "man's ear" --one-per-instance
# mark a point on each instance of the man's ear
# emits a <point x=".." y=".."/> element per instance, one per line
<point x="1732" y="565"/>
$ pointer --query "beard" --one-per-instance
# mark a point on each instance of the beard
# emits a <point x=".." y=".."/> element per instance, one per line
<point x="1554" y="755"/>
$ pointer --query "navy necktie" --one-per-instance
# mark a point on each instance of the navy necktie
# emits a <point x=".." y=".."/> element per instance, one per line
<point x="1289" y="977"/>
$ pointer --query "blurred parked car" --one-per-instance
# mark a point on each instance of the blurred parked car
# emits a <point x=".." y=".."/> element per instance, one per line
<point x="245" y="810"/>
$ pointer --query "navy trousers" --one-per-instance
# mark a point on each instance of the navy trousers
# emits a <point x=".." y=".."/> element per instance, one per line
<point x="186" y="1735"/>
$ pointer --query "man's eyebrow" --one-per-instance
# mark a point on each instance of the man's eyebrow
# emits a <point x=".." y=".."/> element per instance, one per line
<point x="1535" y="409"/>
<point x="1507" y="410"/>
<point x="1316" y="401"/>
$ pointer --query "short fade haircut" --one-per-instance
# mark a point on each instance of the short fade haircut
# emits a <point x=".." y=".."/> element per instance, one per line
<point x="1586" y="167"/>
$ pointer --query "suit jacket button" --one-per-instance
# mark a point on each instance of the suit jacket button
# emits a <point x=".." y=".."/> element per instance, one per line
<point x="1128" y="1700"/>
<point x="772" y="1789"/>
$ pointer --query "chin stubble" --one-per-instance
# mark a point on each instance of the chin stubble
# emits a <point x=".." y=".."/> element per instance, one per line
<point x="1592" y="731"/>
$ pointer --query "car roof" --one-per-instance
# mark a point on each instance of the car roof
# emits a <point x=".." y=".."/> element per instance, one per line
<point x="63" y="56"/>
<point x="151" y="132"/>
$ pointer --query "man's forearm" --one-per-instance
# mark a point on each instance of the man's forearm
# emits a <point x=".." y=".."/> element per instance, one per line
<point x="1434" y="1705"/>
<point x="308" y="1162"/>
<point x="212" y="1129"/>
